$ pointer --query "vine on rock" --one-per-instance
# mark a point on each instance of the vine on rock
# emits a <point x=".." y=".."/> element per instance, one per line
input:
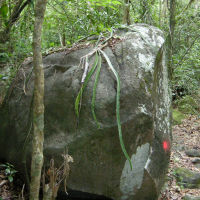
<point x="84" y="62"/>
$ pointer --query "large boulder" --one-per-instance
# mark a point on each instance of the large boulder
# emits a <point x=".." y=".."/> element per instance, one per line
<point x="99" y="166"/>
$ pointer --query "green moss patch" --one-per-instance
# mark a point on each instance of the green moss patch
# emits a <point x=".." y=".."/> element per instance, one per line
<point x="177" y="117"/>
<point x="187" y="178"/>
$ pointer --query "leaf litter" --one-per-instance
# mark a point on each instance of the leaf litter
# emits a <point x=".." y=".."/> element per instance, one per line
<point x="185" y="137"/>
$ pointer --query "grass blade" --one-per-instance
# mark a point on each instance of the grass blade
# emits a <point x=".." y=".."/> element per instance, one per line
<point x="78" y="98"/>
<point x="94" y="90"/>
<point x="118" y="107"/>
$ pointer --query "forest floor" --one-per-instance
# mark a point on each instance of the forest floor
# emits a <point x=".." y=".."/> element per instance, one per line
<point x="185" y="136"/>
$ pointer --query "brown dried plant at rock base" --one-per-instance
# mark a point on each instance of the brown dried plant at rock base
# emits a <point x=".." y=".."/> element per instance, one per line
<point x="56" y="176"/>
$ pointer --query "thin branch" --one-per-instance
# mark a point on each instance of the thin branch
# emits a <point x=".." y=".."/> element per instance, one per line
<point x="187" y="51"/>
<point x="180" y="16"/>
<point x="16" y="13"/>
<point x="55" y="9"/>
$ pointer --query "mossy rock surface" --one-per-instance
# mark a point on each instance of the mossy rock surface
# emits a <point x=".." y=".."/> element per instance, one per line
<point x="177" y="117"/>
<point x="191" y="197"/>
<point x="187" y="178"/>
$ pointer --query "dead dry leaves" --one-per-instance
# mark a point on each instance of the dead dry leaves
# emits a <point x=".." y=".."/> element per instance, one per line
<point x="185" y="136"/>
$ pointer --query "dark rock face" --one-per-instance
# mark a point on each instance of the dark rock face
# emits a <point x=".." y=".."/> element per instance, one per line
<point x="192" y="153"/>
<point x="99" y="164"/>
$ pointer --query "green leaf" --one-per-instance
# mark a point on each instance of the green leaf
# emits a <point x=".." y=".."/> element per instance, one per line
<point x="93" y="21"/>
<point x="89" y="16"/>
<point x="116" y="2"/>
<point x="7" y="171"/>
<point x="78" y="98"/>
<point x="109" y="29"/>
<point x="13" y="171"/>
<point x="112" y="7"/>
<point x="94" y="90"/>
<point x="4" y="10"/>
<point x="10" y="178"/>
<point x="51" y="44"/>
<point x="6" y="24"/>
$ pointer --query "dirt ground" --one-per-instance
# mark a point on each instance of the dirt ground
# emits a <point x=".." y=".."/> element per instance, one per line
<point x="185" y="136"/>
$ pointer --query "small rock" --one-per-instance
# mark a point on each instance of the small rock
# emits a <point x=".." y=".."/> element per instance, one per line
<point x="178" y="147"/>
<point x="197" y="160"/>
<point x="187" y="178"/>
<point x="193" y="153"/>
<point x="191" y="197"/>
<point x="197" y="165"/>
<point x="93" y="37"/>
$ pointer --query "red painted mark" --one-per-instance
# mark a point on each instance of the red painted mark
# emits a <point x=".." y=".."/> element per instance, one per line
<point x="165" y="145"/>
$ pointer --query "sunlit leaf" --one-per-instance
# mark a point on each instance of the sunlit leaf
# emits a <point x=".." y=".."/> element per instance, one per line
<point x="116" y="2"/>
<point x="112" y="7"/>
<point x="51" y="44"/>
<point x="7" y="171"/>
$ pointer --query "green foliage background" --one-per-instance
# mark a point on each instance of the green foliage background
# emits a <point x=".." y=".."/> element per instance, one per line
<point x="74" y="19"/>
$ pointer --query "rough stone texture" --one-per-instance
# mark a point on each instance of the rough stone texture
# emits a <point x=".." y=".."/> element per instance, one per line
<point x="191" y="197"/>
<point x="99" y="164"/>
<point x="192" y="153"/>
<point x="197" y="160"/>
<point x="187" y="178"/>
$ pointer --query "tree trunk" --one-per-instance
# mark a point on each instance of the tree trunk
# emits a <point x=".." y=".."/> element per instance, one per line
<point x="126" y="18"/>
<point x="62" y="36"/>
<point x="38" y="111"/>
<point x="145" y="12"/>
<point x="63" y="39"/>
<point x="160" y="8"/>
<point x="170" y="38"/>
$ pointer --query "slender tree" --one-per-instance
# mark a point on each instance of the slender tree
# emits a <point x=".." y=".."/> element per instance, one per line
<point x="170" y="37"/>
<point x="145" y="12"/>
<point x="13" y="17"/>
<point x="126" y="18"/>
<point x="38" y="119"/>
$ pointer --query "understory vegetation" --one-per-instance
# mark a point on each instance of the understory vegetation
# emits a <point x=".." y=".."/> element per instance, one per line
<point x="66" y="22"/>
